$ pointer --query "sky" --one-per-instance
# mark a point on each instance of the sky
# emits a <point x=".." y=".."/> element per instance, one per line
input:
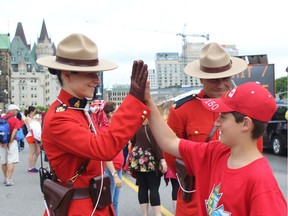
<point x="125" y="30"/>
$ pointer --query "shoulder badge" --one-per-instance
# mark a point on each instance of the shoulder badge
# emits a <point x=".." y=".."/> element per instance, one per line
<point x="182" y="101"/>
<point x="61" y="108"/>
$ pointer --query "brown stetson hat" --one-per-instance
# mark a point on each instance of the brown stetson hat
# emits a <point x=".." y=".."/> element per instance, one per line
<point x="78" y="53"/>
<point x="215" y="63"/>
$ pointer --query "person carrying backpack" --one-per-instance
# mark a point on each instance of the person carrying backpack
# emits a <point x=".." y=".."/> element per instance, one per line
<point x="20" y="133"/>
<point x="9" y="148"/>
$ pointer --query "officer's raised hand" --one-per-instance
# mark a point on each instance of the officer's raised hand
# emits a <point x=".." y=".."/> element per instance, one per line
<point x="138" y="79"/>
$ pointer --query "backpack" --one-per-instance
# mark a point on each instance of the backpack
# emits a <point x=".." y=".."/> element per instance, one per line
<point x="25" y="129"/>
<point x="4" y="130"/>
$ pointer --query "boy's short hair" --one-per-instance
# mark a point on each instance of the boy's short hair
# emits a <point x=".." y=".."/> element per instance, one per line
<point x="259" y="126"/>
<point x="250" y="99"/>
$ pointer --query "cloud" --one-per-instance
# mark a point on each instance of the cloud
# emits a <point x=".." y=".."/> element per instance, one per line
<point x="137" y="29"/>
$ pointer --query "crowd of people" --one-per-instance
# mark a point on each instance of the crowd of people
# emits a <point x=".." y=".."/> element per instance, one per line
<point x="216" y="133"/>
<point x="25" y="129"/>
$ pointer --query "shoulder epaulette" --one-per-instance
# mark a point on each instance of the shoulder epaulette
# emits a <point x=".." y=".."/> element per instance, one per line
<point x="182" y="101"/>
<point x="61" y="108"/>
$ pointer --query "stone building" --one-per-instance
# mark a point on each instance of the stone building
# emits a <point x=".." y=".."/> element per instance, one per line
<point x="31" y="84"/>
<point x="4" y="71"/>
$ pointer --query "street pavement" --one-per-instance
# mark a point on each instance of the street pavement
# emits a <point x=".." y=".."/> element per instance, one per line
<point x="25" y="197"/>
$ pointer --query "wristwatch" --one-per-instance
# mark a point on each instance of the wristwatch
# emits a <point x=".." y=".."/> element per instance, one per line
<point x="114" y="174"/>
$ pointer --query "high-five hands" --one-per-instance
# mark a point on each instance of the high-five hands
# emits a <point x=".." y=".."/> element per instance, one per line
<point x="138" y="79"/>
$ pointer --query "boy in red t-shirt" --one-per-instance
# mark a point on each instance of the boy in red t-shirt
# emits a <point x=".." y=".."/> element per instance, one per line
<point x="233" y="176"/>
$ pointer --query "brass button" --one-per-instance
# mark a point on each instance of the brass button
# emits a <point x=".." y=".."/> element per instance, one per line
<point x="145" y="112"/>
<point x="196" y="132"/>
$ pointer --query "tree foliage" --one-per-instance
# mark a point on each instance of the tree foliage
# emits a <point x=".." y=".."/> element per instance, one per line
<point x="281" y="86"/>
<point x="41" y="108"/>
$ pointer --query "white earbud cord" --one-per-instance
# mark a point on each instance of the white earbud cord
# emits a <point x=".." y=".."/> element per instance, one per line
<point x="46" y="207"/>
<point x="91" y="125"/>
<point x="186" y="191"/>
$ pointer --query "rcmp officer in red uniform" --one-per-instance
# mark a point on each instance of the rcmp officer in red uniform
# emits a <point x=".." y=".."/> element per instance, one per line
<point x="189" y="119"/>
<point x="67" y="137"/>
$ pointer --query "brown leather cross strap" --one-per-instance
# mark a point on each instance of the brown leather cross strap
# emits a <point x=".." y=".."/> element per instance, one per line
<point x="71" y="181"/>
<point x="211" y="134"/>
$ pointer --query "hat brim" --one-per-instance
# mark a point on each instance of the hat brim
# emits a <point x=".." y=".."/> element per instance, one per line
<point x="50" y="62"/>
<point x="193" y="69"/>
<point x="216" y="105"/>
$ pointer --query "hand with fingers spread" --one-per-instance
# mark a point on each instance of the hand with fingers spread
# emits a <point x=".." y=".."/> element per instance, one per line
<point x="138" y="79"/>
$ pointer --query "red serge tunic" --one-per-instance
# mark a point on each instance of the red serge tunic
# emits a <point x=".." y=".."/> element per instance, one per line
<point x="193" y="122"/>
<point x="249" y="190"/>
<point x="68" y="142"/>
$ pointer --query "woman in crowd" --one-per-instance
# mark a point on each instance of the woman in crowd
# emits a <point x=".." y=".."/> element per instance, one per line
<point x="147" y="164"/>
<point x="33" y="138"/>
<point x="164" y="109"/>
<point x="114" y="167"/>
<point x="20" y="135"/>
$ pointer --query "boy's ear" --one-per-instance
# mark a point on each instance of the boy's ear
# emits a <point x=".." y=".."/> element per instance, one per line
<point x="247" y="123"/>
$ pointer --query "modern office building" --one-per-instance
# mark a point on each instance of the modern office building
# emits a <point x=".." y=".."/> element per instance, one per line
<point x="169" y="67"/>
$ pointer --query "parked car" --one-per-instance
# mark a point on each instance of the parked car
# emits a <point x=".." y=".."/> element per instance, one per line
<point x="275" y="137"/>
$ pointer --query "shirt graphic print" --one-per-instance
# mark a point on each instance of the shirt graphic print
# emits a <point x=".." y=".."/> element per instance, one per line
<point x="212" y="203"/>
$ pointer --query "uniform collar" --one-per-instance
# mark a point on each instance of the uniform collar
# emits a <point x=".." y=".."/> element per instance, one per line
<point x="77" y="103"/>
<point x="71" y="101"/>
<point x="202" y="94"/>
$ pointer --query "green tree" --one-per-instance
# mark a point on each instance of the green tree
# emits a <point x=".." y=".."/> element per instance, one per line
<point x="41" y="108"/>
<point x="281" y="86"/>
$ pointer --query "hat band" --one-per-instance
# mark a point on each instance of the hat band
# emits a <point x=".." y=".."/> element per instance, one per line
<point x="216" y="69"/>
<point x="76" y="62"/>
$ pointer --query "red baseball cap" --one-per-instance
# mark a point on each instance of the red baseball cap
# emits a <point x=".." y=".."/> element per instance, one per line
<point x="250" y="99"/>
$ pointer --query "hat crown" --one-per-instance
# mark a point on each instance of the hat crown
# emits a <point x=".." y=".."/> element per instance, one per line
<point x="77" y="46"/>
<point x="214" y="63"/>
<point x="213" y="56"/>
<point x="13" y="107"/>
<point x="253" y="100"/>
<point x="78" y="53"/>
